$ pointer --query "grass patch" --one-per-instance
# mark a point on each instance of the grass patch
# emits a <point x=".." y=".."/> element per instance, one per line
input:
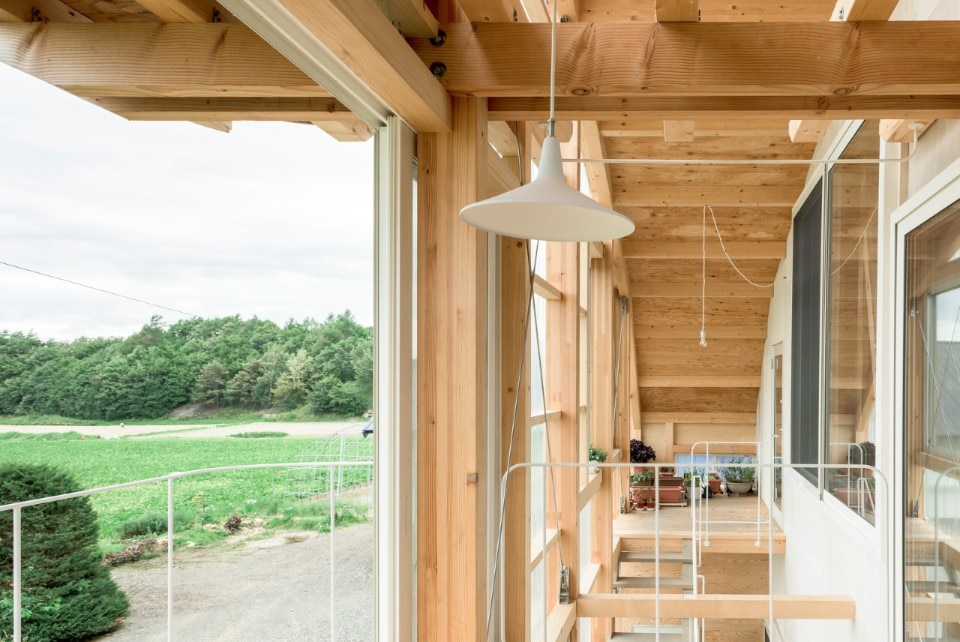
<point x="45" y="436"/>
<point x="263" y="434"/>
<point x="199" y="500"/>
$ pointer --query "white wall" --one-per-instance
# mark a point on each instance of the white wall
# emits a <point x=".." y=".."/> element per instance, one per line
<point x="830" y="550"/>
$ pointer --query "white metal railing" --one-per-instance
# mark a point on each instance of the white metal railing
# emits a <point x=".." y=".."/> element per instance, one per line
<point x="886" y="513"/>
<point x="17" y="510"/>
<point x="938" y="595"/>
<point x="704" y="514"/>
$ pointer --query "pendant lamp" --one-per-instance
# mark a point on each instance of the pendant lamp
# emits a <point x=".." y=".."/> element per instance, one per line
<point x="547" y="208"/>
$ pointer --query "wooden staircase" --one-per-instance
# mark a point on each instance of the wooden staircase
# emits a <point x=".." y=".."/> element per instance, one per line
<point x="668" y="561"/>
<point x="931" y="570"/>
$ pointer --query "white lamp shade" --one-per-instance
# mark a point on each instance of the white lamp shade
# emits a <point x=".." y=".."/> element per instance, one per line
<point x="547" y="209"/>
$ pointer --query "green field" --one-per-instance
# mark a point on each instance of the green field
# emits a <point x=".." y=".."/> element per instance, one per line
<point x="198" y="500"/>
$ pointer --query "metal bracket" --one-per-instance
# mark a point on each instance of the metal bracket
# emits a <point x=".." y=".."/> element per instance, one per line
<point x="564" y="585"/>
<point x="623" y="305"/>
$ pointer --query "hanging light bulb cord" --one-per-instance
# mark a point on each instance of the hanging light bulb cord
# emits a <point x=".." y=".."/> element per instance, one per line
<point x="552" y="123"/>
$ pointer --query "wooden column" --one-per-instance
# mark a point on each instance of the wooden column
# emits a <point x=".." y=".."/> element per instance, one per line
<point x="514" y="297"/>
<point x="601" y="428"/>
<point x="563" y="393"/>
<point x="452" y="382"/>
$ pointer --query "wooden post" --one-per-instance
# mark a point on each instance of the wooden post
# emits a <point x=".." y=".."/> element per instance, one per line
<point x="563" y="394"/>
<point x="452" y="382"/>
<point x="602" y="428"/>
<point x="514" y="296"/>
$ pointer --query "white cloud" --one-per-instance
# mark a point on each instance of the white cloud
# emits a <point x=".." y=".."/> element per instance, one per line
<point x="273" y="219"/>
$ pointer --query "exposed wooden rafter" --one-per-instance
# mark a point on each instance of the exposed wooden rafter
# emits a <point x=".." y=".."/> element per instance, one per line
<point x="152" y="59"/>
<point x="39" y="11"/>
<point x="678" y="10"/>
<point x="807" y="131"/>
<point x="866" y="60"/>
<point x="179" y="10"/>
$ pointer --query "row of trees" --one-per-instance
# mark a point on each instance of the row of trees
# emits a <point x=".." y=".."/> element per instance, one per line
<point x="222" y="362"/>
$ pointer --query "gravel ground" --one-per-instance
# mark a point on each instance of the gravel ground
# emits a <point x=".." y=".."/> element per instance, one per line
<point x="257" y="590"/>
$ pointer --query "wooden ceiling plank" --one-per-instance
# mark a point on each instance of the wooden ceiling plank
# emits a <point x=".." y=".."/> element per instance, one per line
<point x="41" y="11"/>
<point x="692" y="332"/>
<point x="733" y="108"/>
<point x="179" y="10"/>
<point x="678" y="131"/>
<point x="479" y="11"/>
<point x="672" y="249"/>
<point x="598" y="174"/>
<point x="677" y="10"/>
<point x="297" y="110"/>
<point x="810" y="59"/>
<point x="807" y="131"/>
<point x="699" y="381"/>
<point x="701" y="417"/>
<point x="705" y="128"/>
<point x="691" y="289"/>
<point x="711" y="11"/>
<point x="153" y="59"/>
<point x="718" y="195"/>
<point x="362" y="38"/>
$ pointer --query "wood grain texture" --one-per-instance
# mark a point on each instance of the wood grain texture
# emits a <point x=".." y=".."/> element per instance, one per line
<point x="698" y="399"/>
<point x="296" y="110"/>
<point x="718" y="59"/>
<point x="153" y="60"/>
<point x="716" y="606"/>
<point x="598" y="174"/>
<point x="451" y="382"/>
<point x="363" y="39"/>
<point x="179" y="10"/>
<point x="736" y="224"/>
<point x="712" y="11"/>
<point x="678" y="10"/>
<point x="49" y="11"/>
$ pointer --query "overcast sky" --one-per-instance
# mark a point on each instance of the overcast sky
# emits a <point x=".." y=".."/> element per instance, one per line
<point x="273" y="219"/>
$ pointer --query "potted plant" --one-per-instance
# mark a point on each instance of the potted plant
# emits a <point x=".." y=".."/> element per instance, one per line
<point x="598" y="455"/>
<point x="640" y="492"/>
<point x="739" y="478"/>
<point x="667" y="471"/>
<point x="869" y="451"/>
<point x="640" y="453"/>
<point x="693" y="480"/>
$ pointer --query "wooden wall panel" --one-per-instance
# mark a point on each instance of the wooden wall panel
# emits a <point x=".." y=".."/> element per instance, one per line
<point x="699" y="399"/>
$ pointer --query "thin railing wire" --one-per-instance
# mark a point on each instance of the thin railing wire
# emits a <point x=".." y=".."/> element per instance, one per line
<point x="17" y="509"/>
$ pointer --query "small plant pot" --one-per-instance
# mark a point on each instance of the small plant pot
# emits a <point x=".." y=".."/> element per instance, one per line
<point x="739" y="488"/>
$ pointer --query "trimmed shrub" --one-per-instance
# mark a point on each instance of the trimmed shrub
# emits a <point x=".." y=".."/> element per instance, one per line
<point x="153" y="524"/>
<point x="67" y="593"/>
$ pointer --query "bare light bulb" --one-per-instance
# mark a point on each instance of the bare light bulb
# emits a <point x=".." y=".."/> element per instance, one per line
<point x="703" y="338"/>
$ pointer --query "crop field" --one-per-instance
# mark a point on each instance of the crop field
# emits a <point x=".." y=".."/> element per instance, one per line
<point x="198" y="500"/>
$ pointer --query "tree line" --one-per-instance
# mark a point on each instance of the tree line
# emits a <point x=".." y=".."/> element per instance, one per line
<point x="223" y="362"/>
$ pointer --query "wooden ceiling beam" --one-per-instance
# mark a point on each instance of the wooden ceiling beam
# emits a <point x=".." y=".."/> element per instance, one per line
<point x="733" y="108"/>
<point x="198" y="11"/>
<point x="39" y="11"/>
<point x="153" y="59"/>
<point x="712" y="11"/>
<point x="901" y="130"/>
<point x="412" y="18"/>
<point x="220" y="126"/>
<point x="481" y="11"/>
<point x="692" y="249"/>
<point x="346" y="131"/>
<point x="863" y="10"/>
<point x="364" y="41"/>
<point x="297" y="110"/>
<point x="677" y="10"/>
<point x="631" y="60"/>
<point x="598" y="174"/>
<point x="807" y="131"/>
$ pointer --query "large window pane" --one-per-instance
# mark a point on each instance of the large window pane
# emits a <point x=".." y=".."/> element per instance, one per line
<point x="932" y="427"/>
<point x="850" y="429"/>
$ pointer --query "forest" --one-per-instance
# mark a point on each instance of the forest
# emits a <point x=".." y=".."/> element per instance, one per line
<point x="226" y="362"/>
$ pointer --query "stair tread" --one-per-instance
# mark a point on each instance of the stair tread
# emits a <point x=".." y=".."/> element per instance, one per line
<point x="650" y="556"/>
<point x="650" y="582"/>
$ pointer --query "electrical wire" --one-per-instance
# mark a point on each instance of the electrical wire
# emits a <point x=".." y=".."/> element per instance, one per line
<point x="857" y="246"/>
<point x="727" y="254"/>
<point x="96" y="289"/>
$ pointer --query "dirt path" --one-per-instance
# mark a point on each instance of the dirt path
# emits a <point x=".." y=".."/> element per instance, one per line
<point x="263" y="590"/>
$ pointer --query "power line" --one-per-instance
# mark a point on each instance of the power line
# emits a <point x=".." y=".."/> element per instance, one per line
<point x="90" y="287"/>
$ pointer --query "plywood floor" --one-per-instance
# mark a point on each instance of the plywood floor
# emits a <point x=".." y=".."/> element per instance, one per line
<point x="677" y="521"/>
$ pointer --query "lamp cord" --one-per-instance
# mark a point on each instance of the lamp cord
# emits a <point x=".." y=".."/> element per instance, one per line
<point x="727" y="254"/>
<point x="552" y="123"/>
